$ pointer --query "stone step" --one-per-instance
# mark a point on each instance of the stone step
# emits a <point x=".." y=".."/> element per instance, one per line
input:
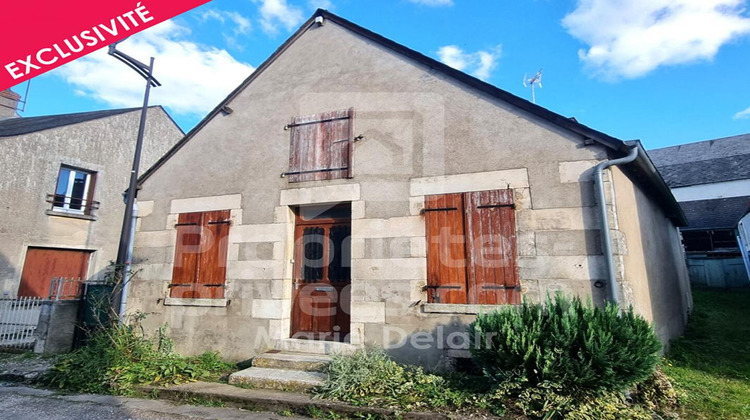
<point x="281" y="379"/>
<point x="292" y="361"/>
<point x="314" y="346"/>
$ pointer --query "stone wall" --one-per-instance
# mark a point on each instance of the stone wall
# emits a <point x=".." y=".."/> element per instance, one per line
<point x="422" y="134"/>
<point x="31" y="164"/>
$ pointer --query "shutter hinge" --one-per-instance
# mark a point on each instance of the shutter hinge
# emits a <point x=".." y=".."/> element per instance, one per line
<point x="439" y="209"/>
<point x="288" y="126"/>
<point x="490" y="206"/>
<point x="220" y="222"/>
<point x="312" y="171"/>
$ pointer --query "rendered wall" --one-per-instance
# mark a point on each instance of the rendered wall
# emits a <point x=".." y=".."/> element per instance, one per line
<point x="653" y="272"/>
<point x="31" y="164"/>
<point x="423" y="134"/>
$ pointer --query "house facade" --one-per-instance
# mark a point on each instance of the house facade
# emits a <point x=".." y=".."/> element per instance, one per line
<point x="353" y="191"/>
<point x="711" y="181"/>
<point x="62" y="183"/>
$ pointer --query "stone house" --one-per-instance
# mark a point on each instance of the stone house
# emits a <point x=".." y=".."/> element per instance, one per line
<point x="62" y="183"/>
<point x="355" y="191"/>
<point x="711" y="181"/>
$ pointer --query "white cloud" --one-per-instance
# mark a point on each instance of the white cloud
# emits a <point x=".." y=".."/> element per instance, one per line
<point x="479" y="64"/>
<point x="194" y="78"/>
<point x="278" y="12"/>
<point x="628" y="39"/>
<point x="240" y="24"/>
<point x="742" y="115"/>
<point x="320" y="4"/>
<point x="433" y="2"/>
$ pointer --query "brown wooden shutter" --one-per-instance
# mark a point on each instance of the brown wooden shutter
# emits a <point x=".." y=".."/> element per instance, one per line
<point x="446" y="252"/>
<point x="321" y="146"/>
<point x="186" y="255"/>
<point x="212" y="265"/>
<point x="491" y="247"/>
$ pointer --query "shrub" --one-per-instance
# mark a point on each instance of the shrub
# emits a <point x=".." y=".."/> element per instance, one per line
<point x="371" y="378"/>
<point x="581" y="348"/>
<point x="117" y="358"/>
<point x="550" y="401"/>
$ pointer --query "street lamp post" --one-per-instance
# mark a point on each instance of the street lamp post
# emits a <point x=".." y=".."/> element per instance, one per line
<point x="125" y="247"/>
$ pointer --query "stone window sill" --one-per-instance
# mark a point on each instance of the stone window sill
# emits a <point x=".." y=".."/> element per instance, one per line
<point x="458" y="308"/>
<point x="169" y="301"/>
<point x="69" y="214"/>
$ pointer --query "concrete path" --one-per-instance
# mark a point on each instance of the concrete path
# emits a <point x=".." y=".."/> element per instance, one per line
<point x="24" y="403"/>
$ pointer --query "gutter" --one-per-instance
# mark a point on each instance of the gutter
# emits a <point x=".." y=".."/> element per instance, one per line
<point x="606" y="236"/>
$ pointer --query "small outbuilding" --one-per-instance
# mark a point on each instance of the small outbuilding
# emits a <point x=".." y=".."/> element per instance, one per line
<point x="354" y="191"/>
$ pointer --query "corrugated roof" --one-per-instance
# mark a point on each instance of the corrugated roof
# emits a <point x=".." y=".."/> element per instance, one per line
<point x="723" y="213"/>
<point x="18" y="126"/>
<point x="705" y="162"/>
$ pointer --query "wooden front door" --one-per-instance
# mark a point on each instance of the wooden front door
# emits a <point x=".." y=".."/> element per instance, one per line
<point x="322" y="273"/>
<point x="42" y="264"/>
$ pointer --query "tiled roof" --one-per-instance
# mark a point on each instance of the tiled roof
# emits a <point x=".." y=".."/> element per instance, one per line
<point x="18" y="126"/>
<point x="705" y="162"/>
<point x="723" y="213"/>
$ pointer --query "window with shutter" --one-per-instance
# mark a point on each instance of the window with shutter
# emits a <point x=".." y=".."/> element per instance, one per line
<point x="471" y="248"/>
<point x="321" y="146"/>
<point x="200" y="255"/>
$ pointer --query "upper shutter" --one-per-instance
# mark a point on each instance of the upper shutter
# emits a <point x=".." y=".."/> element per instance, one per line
<point x="491" y="247"/>
<point x="212" y="266"/>
<point x="446" y="252"/>
<point x="186" y="255"/>
<point x="321" y="146"/>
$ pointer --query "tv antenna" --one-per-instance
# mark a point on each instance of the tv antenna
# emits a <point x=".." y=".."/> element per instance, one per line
<point x="536" y="80"/>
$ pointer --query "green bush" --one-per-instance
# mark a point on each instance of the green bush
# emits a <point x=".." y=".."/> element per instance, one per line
<point x="117" y="358"/>
<point x="581" y="348"/>
<point x="370" y="378"/>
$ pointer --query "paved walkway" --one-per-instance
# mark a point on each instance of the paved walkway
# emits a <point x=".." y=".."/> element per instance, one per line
<point x="24" y="403"/>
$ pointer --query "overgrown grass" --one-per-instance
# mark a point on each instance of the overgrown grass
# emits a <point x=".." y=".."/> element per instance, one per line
<point x="119" y="358"/>
<point x="370" y="378"/>
<point x="710" y="365"/>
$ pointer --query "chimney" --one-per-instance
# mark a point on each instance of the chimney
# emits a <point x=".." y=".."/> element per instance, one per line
<point x="8" y="104"/>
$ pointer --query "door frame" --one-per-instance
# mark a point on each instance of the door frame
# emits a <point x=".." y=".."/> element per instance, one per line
<point x="300" y="223"/>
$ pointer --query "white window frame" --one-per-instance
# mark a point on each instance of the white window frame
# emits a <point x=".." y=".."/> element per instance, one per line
<point x="69" y="191"/>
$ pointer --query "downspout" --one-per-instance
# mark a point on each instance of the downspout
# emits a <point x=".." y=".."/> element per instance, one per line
<point x="606" y="236"/>
<point x="127" y="275"/>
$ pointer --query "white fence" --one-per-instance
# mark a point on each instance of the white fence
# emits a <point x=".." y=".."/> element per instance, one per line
<point x="18" y="321"/>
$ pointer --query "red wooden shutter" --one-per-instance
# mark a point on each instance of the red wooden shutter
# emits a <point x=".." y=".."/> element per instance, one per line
<point x="186" y="255"/>
<point x="446" y="252"/>
<point x="212" y="265"/>
<point x="321" y="146"/>
<point x="491" y="247"/>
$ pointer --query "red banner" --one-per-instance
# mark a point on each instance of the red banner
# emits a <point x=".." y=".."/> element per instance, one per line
<point x="38" y="36"/>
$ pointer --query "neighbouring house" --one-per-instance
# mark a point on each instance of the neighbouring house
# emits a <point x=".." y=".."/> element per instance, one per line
<point x="355" y="191"/>
<point x="711" y="181"/>
<point x="61" y="187"/>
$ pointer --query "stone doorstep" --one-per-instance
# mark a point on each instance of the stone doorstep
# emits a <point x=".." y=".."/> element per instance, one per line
<point x="281" y="379"/>
<point x="292" y="361"/>
<point x="319" y="347"/>
<point x="277" y="401"/>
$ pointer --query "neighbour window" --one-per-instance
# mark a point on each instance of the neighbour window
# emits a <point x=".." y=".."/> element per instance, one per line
<point x="75" y="188"/>
<point x="471" y="248"/>
<point x="200" y="261"/>
<point x="321" y="146"/>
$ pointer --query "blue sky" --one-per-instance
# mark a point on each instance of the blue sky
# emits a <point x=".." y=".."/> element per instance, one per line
<point x="663" y="71"/>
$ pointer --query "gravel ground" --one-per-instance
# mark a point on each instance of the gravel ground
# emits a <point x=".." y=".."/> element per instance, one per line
<point x="24" y="403"/>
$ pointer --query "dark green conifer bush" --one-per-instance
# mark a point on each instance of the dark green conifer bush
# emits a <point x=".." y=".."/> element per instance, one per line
<point x="577" y="346"/>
